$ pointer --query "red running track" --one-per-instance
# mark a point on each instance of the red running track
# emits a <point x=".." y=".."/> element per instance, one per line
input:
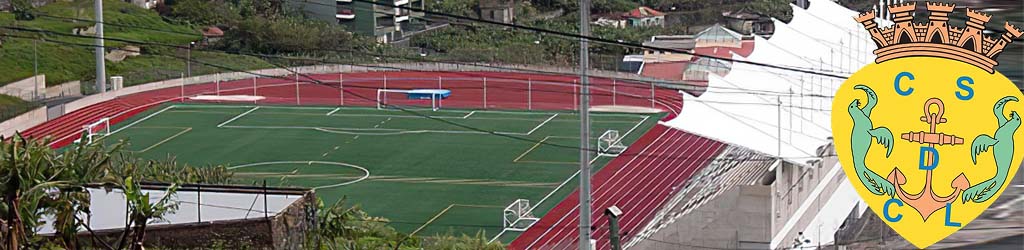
<point x="657" y="165"/>
<point x="638" y="182"/>
<point x="504" y="91"/>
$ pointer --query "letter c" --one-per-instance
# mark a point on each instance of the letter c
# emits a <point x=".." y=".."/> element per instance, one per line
<point x="885" y="210"/>
<point x="896" y="83"/>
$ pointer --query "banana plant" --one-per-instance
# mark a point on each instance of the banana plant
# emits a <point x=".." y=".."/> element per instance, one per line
<point x="142" y="210"/>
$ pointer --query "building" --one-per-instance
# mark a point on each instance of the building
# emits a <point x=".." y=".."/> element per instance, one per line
<point x="749" y="23"/>
<point x="644" y="17"/>
<point x="680" y="43"/>
<point x="503" y="11"/>
<point x="145" y="4"/>
<point x="386" y="24"/>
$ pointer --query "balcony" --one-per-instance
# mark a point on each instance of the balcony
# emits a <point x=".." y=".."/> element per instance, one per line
<point x="401" y="18"/>
<point x="399" y="2"/>
<point x="345" y="14"/>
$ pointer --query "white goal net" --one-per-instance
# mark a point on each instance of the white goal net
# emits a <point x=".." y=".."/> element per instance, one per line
<point x="95" y="130"/>
<point x="610" y="144"/>
<point x="517" y="216"/>
<point x="418" y="98"/>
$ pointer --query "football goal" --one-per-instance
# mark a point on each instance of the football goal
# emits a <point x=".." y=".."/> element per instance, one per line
<point x="391" y="98"/>
<point x="610" y="144"/>
<point x="95" y="130"/>
<point x="518" y="216"/>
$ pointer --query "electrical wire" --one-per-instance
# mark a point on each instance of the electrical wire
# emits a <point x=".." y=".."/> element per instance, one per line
<point x="591" y="38"/>
<point x="626" y="81"/>
<point x="348" y="91"/>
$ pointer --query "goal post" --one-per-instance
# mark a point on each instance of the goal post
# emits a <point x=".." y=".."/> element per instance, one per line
<point x="387" y="98"/>
<point x="518" y="216"/>
<point x="97" y="129"/>
<point x="610" y="144"/>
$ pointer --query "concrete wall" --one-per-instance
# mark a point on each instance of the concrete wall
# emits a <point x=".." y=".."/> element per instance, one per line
<point x="28" y="89"/>
<point x="72" y="88"/>
<point x="332" y="68"/>
<point x="23" y="122"/>
<point x="736" y="219"/>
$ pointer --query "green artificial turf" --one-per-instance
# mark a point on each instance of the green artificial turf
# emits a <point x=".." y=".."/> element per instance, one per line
<point x="425" y="175"/>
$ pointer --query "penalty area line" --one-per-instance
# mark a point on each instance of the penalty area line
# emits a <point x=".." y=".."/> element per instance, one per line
<point x="542" y="124"/>
<point x="221" y="125"/>
<point x="333" y="111"/>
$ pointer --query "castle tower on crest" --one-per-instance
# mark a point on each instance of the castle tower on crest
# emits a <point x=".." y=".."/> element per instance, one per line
<point x="936" y="38"/>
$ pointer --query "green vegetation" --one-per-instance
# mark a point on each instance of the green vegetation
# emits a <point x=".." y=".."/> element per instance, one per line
<point x="12" y="106"/>
<point x="36" y="180"/>
<point x="427" y="177"/>
<point x="69" y="62"/>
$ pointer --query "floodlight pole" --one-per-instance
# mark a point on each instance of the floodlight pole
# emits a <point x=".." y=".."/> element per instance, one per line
<point x="101" y="67"/>
<point x="584" y="110"/>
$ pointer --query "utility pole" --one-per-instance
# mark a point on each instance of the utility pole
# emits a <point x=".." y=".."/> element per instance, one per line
<point x="188" y="59"/>
<point x="101" y="68"/>
<point x="584" y="126"/>
<point x="35" y="70"/>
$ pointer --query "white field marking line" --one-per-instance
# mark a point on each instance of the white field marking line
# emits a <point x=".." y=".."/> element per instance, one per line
<point x="166" y="139"/>
<point x="238" y="116"/>
<point x="167" y="100"/>
<point x="560" y="219"/>
<point x="680" y="164"/>
<point x="542" y="124"/>
<point x="470" y="113"/>
<point x="213" y="106"/>
<point x="366" y="173"/>
<point x="391" y="131"/>
<point x="558" y="236"/>
<point x="140" y="120"/>
<point x="573" y="176"/>
<point x="332" y="111"/>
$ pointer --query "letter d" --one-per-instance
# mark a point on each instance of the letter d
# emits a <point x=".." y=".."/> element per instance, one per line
<point x="934" y="158"/>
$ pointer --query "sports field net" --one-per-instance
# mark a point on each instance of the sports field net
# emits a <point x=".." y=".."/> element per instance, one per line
<point x="518" y="216"/>
<point x="405" y="98"/>
<point x="610" y="143"/>
<point x="95" y="130"/>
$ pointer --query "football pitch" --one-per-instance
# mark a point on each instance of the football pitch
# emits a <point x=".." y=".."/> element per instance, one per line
<point x="454" y="171"/>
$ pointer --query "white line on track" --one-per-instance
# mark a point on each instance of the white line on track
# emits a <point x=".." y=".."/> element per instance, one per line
<point x="573" y="176"/>
<point x="470" y="113"/>
<point x="236" y="117"/>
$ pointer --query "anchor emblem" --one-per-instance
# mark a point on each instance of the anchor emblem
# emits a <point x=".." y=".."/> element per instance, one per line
<point x="927" y="201"/>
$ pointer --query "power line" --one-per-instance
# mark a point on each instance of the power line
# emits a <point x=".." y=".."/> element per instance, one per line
<point x="313" y="80"/>
<point x="591" y="38"/>
<point x="627" y="81"/>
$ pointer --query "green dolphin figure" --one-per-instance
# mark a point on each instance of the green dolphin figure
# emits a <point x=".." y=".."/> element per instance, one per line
<point x="860" y="142"/>
<point x="1002" y="151"/>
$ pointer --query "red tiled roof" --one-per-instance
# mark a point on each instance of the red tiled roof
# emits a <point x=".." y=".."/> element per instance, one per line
<point x="664" y="70"/>
<point x="642" y="12"/>
<point x="212" y="31"/>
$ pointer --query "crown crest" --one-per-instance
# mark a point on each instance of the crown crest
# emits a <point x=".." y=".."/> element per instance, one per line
<point x="936" y="38"/>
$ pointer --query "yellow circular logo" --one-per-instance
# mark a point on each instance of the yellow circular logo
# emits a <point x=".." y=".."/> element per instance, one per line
<point x="928" y="143"/>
